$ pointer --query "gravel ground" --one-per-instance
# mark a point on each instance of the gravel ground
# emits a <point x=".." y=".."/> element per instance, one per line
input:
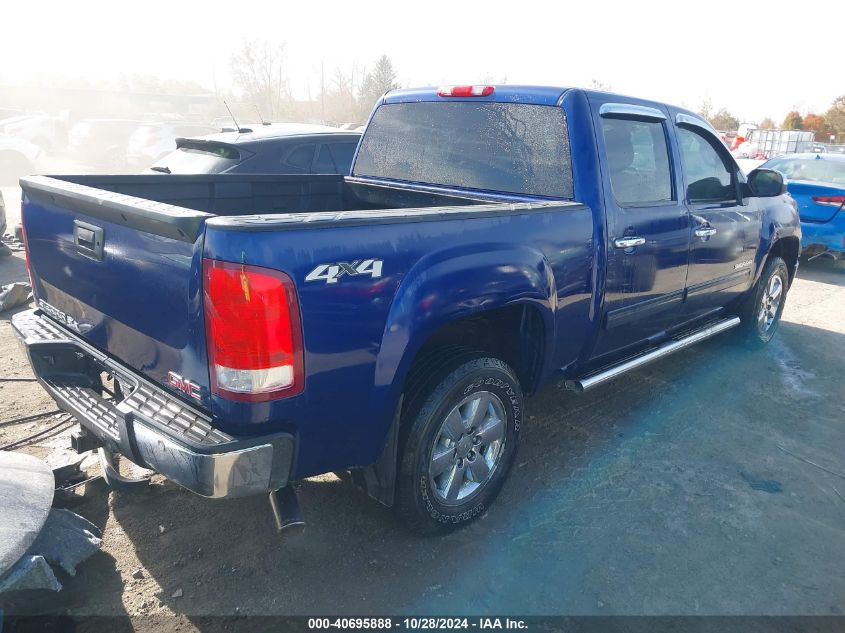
<point x="712" y="482"/>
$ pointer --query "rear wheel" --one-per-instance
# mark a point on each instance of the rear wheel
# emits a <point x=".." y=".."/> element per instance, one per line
<point x="459" y="444"/>
<point x="762" y="310"/>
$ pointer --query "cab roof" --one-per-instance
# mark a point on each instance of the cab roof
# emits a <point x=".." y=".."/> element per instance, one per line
<point x="535" y="95"/>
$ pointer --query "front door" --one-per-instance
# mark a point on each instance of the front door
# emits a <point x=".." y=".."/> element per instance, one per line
<point x="648" y="227"/>
<point x="725" y="232"/>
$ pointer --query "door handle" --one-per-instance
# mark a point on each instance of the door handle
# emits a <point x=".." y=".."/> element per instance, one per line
<point x="705" y="231"/>
<point x="628" y="242"/>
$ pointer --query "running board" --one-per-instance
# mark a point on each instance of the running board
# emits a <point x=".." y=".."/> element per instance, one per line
<point x="604" y="375"/>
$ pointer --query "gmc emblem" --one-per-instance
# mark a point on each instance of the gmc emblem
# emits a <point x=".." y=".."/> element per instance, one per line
<point x="184" y="385"/>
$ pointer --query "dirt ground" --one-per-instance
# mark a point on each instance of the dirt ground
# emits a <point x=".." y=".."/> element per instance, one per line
<point x="712" y="482"/>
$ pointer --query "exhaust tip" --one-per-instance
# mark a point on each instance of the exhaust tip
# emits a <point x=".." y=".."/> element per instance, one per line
<point x="287" y="513"/>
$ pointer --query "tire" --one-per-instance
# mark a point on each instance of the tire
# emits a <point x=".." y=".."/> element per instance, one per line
<point x="465" y="423"/>
<point x="761" y="312"/>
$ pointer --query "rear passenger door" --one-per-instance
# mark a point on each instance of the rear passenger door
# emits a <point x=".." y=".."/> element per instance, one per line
<point x="647" y="225"/>
<point x="725" y="231"/>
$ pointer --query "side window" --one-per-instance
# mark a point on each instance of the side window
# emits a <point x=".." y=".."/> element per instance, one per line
<point x="708" y="178"/>
<point x="299" y="159"/>
<point x="638" y="160"/>
<point x="324" y="164"/>
<point x="342" y="154"/>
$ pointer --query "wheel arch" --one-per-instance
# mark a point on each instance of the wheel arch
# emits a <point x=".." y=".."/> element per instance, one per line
<point x="447" y="291"/>
<point x="789" y="249"/>
<point x="498" y="300"/>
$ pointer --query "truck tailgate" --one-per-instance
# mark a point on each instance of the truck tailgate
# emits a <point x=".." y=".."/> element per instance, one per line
<point x="122" y="272"/>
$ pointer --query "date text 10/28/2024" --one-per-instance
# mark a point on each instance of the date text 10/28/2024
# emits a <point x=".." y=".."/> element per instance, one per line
<point x="418" y="624"/>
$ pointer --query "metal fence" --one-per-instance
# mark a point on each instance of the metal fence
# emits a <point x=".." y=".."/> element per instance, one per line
<point x="768" y="143"/>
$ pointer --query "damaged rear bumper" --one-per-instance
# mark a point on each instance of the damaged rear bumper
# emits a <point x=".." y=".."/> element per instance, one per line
<point x="147" y="424"/>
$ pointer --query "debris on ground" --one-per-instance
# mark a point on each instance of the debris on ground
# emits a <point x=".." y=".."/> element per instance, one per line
<point x="763" y="485"/>
<point x="32" y="572"/>
<point x="15" y="294"/>
<point x="11" y="243"/>
<point x="67" y="539"/>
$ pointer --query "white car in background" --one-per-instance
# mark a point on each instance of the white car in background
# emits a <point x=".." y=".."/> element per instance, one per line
<point x="152" y="141"/>
<point x="17" y="158"/>
<point x="46" y="131"/>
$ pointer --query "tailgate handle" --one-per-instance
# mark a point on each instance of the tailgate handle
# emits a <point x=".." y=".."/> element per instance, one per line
<point x="88" y="239"/>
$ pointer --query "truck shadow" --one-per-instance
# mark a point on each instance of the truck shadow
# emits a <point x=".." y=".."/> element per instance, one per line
<point x="601" y="481"/>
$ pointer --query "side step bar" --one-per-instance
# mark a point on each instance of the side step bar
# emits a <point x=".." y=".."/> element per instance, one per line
<point x="589" y="381"/>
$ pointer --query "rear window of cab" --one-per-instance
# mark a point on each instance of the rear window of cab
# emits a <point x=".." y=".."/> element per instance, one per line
<point x="502" y="147"/>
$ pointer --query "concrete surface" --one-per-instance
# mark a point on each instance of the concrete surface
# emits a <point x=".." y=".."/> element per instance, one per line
<point x="708" y="483"/>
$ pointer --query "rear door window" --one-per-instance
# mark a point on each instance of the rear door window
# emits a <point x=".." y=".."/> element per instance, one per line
<point x="324" y="163"/>
<point x="504" y="147"/>
<point x="299" y="159"/>
<point x="638" y="161"/>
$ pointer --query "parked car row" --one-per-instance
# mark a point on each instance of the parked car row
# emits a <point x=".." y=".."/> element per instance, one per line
<point x="114" y="145"/>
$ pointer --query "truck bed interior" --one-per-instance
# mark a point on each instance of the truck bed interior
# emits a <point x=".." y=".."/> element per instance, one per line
<point x="231" y="195"/>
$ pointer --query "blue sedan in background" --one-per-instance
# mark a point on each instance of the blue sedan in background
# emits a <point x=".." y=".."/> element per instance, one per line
<point x="817" y="183"/>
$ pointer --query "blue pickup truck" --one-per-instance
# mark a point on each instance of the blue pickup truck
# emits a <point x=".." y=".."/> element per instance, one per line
<point x="236" y="333"/>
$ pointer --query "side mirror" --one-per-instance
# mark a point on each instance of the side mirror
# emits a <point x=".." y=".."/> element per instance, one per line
<point x="766" y="183"/>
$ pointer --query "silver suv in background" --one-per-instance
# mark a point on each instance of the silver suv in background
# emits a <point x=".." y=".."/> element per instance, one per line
<point x="152" y="141"/>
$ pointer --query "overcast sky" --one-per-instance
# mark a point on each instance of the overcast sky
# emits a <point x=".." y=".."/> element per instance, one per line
<point x="757" y="63"/>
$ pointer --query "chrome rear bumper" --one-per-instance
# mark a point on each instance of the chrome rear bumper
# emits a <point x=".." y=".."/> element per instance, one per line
<point x="147" y="424"/>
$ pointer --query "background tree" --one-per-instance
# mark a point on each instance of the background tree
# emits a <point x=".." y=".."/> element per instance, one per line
<point x="768" y="124"/>
<point x="835" y="116"/>
<point x="793" y="121"/>
<point x="258" y="71"/>
<point x="338" y="103"/>
<point x="705" y="110"/>
<point x="724" y="120"/>
<point x="382" y="79"/>
<point x="816" y="123"/>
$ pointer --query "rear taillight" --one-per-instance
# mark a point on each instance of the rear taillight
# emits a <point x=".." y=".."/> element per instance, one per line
<point x="253" y="332"/>
<point x="831" y="201"/>
<point x="26" y="250"/>
<point x="465" y="91"/>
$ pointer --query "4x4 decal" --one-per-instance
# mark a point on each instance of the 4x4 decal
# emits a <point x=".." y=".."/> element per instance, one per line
<point x="330" y="273"/>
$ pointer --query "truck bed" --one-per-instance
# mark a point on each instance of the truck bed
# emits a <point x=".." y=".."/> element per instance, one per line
<point x="235" y="194"/>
